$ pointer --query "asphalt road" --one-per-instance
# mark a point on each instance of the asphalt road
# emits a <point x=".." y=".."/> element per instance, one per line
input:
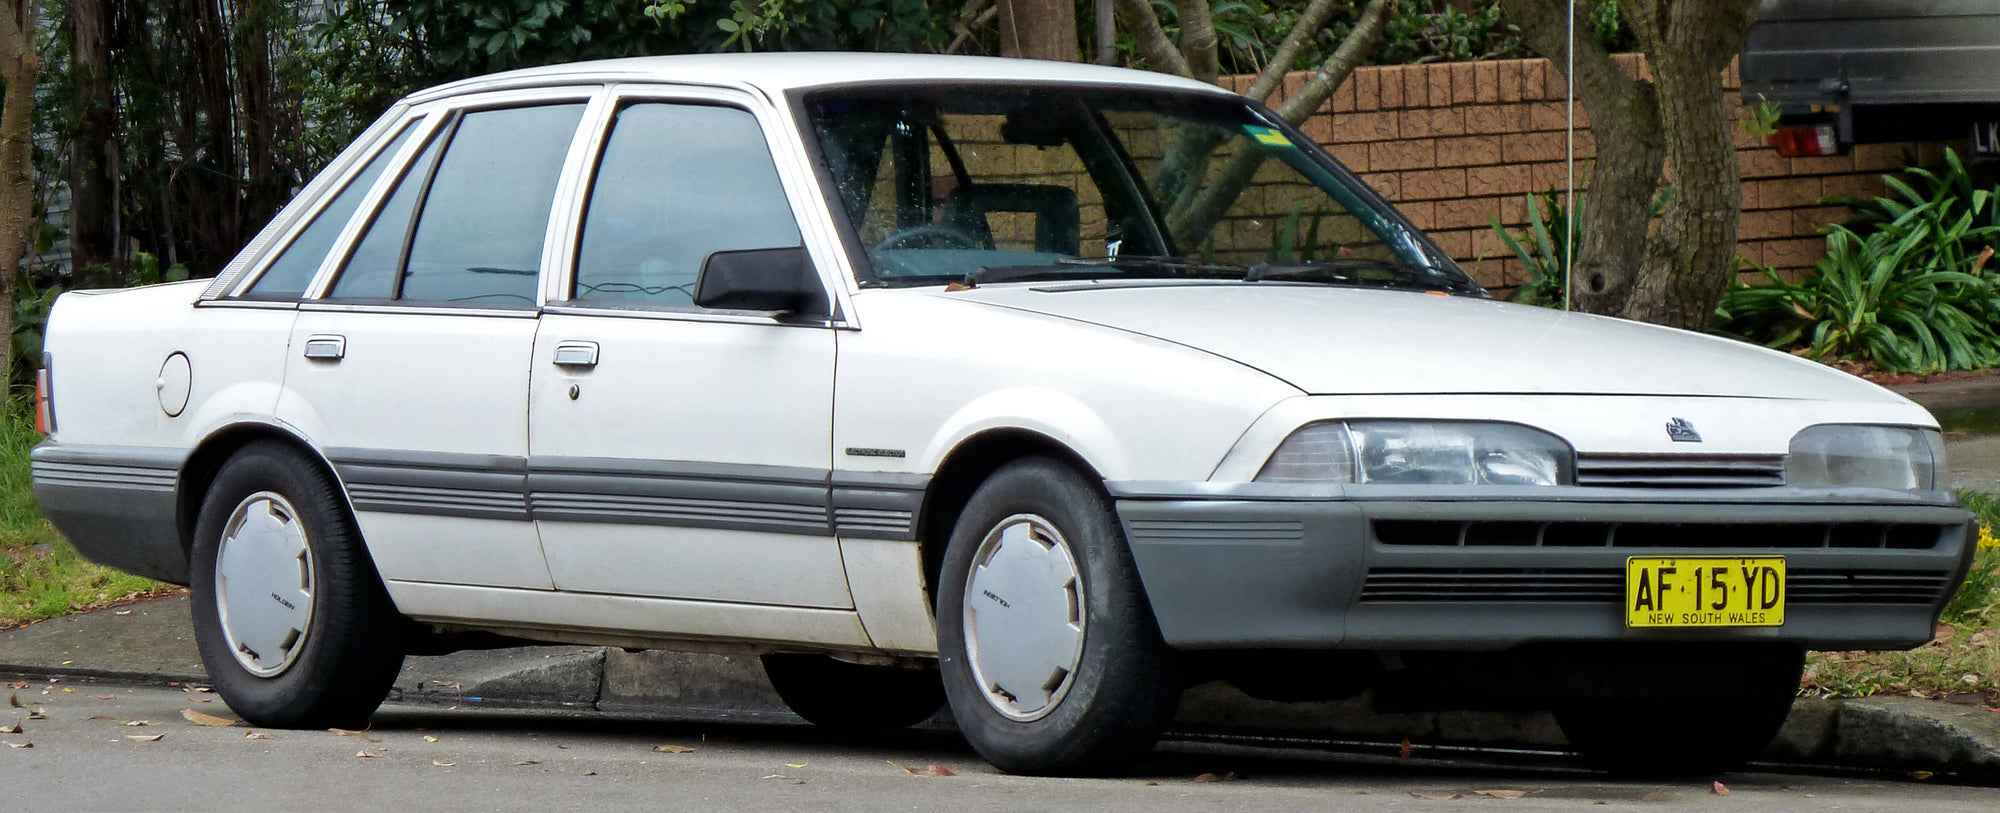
<point x="88" y="755"/>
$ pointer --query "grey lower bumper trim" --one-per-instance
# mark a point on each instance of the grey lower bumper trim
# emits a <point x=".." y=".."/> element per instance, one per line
<point x="115" y="504"/>
<point x="1243" y="574"/>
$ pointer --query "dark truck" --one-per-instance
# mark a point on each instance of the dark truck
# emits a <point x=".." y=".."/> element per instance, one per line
<point x="1845" y="72"/>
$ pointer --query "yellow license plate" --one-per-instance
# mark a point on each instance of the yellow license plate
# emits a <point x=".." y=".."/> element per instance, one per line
<point x="1705" y="591"/>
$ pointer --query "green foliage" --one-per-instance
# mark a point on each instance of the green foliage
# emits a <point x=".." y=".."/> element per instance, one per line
<point x="1545" y="255"/>
<point x="1763" y="121"/>
<point x="1978" y="600"/>
<point x="1437" y="31"/>
<point x="1902" y="287"/>
<point x="1545" y="250"/>
<point x="1886" y="299"/>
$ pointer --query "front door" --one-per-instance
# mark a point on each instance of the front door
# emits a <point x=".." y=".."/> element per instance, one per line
<point x="678" y="452"/>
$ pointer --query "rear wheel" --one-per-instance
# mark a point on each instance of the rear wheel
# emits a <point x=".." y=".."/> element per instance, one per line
<point x="291" y="620"/>
<point x="1696" y="710"/>
<point x="1051" y="658"/>
<point x="836" y="694"/>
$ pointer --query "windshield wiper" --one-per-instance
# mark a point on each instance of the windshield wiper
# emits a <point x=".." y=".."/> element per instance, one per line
<point x="1129" y="266"/>
<point x="1359" y="271"/>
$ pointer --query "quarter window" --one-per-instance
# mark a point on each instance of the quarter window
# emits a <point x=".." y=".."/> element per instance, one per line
<point x="288" y="275"/>
<point x="677" y="182"/>
<point x="467" y="227"/>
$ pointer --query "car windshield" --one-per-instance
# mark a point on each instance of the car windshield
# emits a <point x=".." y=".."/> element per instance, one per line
<point x="985" y="184"/>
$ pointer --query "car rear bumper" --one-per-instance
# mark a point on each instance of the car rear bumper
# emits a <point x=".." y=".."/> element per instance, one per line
<point x="1225" y="572"/>
<point x="115" y="504"/>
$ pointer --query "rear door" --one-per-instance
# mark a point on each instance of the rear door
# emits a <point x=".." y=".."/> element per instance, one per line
<point x="410" y="365"/>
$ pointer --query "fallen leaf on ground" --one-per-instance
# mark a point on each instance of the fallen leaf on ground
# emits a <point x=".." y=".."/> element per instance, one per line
<point x="934" y="770"/>
<point x="348" y="732"/>
<point x="37" y="714"/>
<point x="1718" y="788"/>
<point x="15" y="701"/>
<point x="1921" y="775"/>
<point x="673" y="749"/>
<point x="442" y="764"/>
<point x="20" y="745"/>
<point x="107" y="697"/>
<point x="144" y="737"/>
<point x="255" y="735"/>
<point x="1406" y="748"/>
<point x="366" y="754"/>
<point x="12" y="729"/>
<point x="529" y="762"/>
<point x="429" y="738"/>
<point x="123" y="612"/>
<point x="19" y="684"/>
<point x="1216" y="777"/>
<point x="136" y="723"/>
<point x="795" y="764"/>
<point x="1503" y="794"/>
<point x="774" y="776"/>
<point x="68" y="690"/>
<point x="204" y="718"/>
<point x="1434" y="795"/>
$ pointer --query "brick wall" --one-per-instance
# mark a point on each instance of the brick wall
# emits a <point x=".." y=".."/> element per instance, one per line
<point x="1453" y="144"/>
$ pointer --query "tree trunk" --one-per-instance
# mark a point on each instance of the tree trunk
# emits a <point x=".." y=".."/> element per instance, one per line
<point x="94" y="217"/>
<point x="1689" y="260"/>
<point x="19" y="66"/>
<point x="1625" y="123"/>
<point x="1679" y="122"/>
<point x="1038" y="29"/>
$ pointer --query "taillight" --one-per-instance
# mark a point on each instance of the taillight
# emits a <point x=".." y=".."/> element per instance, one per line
<point x="1803" y="140"/>
<point x="45" y="417"/>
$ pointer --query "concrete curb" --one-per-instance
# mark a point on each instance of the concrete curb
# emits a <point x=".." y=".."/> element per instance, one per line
<point x="151" y="643"/>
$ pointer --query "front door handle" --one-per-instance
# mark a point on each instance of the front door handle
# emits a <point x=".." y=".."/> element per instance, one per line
<point x="326" y="347"/>
<point x="576" y="354"/>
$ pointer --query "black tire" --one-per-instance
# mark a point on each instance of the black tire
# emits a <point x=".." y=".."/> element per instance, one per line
<point x="846" y="696"/>
<point x="1106" y="711"/>
<point x="1705" y="710"/>
<point x="344" y="659"/>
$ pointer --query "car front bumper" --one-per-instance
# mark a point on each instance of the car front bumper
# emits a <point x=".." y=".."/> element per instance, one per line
<point x="1386" y="569"/>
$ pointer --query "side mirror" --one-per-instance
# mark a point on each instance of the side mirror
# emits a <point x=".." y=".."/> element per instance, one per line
<point x="761" y="279"/>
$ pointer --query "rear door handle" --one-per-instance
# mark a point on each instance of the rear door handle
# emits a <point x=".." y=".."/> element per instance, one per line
<point x="326" y="347"/>
<point x="576" y="354"/>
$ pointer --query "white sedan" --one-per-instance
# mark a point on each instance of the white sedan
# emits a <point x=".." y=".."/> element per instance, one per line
<point x="1042" y="390"/>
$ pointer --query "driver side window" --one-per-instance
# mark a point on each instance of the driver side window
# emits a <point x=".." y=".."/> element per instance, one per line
<point x="676" y="183"/>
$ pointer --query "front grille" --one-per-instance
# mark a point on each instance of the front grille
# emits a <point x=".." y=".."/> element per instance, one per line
<point x="1749" y="535"/>
<point x="1493" y="585"/>
<point x="1680" y="471"/>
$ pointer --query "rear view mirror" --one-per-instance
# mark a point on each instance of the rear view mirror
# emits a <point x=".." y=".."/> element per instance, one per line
<point x="761" y="279"/>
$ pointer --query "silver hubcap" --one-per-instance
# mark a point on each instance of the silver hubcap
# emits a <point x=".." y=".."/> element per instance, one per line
<point x="263" y="584"/>
<point x="1024" y="617"/>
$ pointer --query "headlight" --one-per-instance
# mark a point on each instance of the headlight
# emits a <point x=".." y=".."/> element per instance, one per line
<point x="1420" y="453"/>
<point x="1874" y="456"/>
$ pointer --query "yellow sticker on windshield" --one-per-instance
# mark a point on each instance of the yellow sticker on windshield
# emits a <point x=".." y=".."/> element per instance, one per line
<point x="1267" y="136"/>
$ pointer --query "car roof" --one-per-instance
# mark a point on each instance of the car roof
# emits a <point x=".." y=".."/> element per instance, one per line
<point x="775" y="73"/>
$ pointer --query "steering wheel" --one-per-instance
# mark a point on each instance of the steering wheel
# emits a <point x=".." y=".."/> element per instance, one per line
<point x="929" y="236"/>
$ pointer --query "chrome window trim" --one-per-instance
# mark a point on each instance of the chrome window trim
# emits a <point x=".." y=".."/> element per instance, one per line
<point x="788" y="159"/>
<point x="734" y="317"/>
<point x="250" y="304"/>
<point x="250" y="264"/>
<point x="427" y="128"/>
<point x="382" y="306"/>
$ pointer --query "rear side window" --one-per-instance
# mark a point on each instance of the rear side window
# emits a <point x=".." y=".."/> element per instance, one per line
<point x="288" y="275"/>
<point x="466" y="226"/>
<point x="676" y="183"/>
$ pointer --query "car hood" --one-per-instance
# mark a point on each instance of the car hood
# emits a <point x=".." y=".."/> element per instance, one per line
<point x="1328" y="340"/>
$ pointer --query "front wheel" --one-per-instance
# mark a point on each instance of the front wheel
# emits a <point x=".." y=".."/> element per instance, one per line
<point x="291" y="620"/>
<point x="1691" y="710"/>
<point x="1051" y="659"/>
